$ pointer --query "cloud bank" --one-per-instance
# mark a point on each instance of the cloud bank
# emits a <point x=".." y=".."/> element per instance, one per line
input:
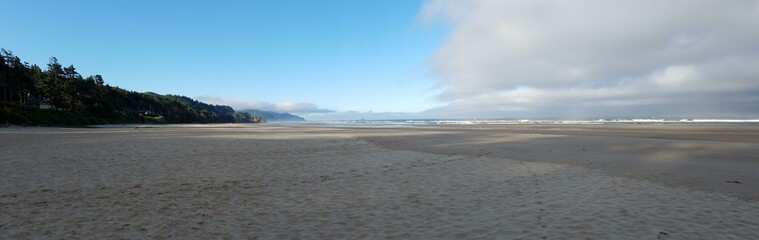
<point x="288" y="107"/>
<point x="310" y="111"/>
<point x="591" y="58"/>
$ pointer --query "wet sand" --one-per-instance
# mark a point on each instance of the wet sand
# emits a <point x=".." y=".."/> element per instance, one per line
<point x="702" y="157"/>
<point x="264" y="181"/>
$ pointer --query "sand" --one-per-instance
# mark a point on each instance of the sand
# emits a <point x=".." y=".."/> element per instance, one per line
<point x="265" y="182"/>
<point x="700" y="157"/>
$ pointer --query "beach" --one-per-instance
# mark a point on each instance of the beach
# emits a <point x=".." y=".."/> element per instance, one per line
<point x="268" y="181"/>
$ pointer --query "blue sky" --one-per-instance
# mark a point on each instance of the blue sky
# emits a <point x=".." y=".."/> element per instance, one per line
<point x="339" y="55"/>
<point x="412" y="59"/>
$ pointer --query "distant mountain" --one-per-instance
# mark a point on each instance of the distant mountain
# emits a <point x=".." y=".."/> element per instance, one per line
<point x="274" y="116"/>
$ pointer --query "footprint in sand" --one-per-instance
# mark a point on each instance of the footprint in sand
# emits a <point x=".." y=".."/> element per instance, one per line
<point x="539" y="200"/>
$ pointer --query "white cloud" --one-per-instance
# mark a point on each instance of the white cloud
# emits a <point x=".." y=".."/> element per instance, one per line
<point x="299" y="107"/>
<point x="675" y="76"/>
<point x="568" y="58"/>
<point x="356" y="115"/>
<point x="288" y="107"/>
<point x="310" y="111"/>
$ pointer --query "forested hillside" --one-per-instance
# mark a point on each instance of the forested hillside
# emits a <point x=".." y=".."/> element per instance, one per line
<point x="58" y="95"/>
<point x="274" y="116"/>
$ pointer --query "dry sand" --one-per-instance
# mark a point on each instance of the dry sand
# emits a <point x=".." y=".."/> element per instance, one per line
<point x="317" y="183"/>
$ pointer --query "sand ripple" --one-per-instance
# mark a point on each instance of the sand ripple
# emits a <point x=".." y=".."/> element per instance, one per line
<point x="148" y="184"/>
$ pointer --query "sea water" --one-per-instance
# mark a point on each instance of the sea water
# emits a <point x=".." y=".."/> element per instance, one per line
<point x="432" y="123"/>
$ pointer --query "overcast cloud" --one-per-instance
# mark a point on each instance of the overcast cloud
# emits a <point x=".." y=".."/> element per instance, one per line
<point x="590" y="58"/>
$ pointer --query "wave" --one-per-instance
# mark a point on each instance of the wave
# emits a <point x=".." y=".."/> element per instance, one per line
<point x="416" y="123"/>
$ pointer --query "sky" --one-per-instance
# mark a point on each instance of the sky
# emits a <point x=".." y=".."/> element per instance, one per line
<point x="340" y="59"/>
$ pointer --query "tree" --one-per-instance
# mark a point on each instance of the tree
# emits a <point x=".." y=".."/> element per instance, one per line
<point x="99" y="80"/>
<point x="15" y="83"/>
<point x="89" y="100"/>
<point x="54" y="70"/>
<point x="70" y="72"/>
<point x="4" y="73"/>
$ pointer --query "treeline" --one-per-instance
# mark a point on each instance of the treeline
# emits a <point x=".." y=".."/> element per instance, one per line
<point x="59" y="95"/>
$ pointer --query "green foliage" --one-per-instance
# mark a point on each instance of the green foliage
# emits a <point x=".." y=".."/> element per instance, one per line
<point x="244" y="117"/>
<point x="26" y="91"/>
